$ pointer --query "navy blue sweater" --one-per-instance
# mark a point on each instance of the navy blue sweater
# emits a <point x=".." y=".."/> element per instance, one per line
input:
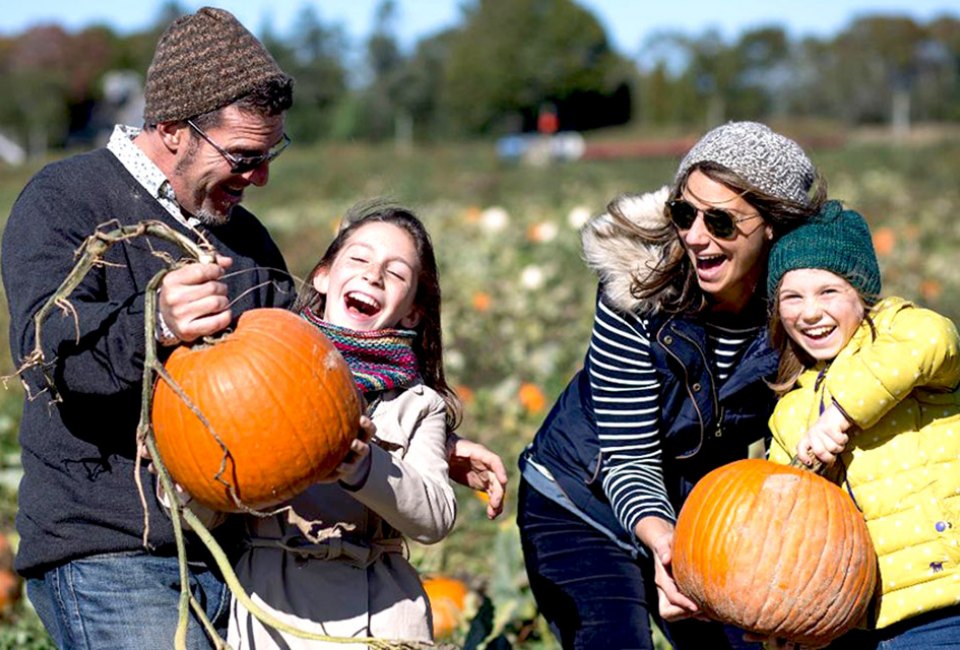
<point x="78" y="496"/>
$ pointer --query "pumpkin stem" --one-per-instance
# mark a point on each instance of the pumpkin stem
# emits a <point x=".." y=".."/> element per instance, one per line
<point x="816" y="467"/>
<point x="91" y="254"/>
<point x="146" y="442"/>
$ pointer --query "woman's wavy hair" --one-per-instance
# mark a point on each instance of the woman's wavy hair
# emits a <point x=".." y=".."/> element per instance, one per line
<point x="428" y="343"/>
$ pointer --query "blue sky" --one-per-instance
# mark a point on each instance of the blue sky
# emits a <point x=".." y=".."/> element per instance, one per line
<point x="628" y="22"/>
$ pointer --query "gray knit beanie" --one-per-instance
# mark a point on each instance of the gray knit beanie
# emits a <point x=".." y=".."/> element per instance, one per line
<point x="769" y="161"/>
<point x="204" y="61"/>
<point x="834" y="240"/>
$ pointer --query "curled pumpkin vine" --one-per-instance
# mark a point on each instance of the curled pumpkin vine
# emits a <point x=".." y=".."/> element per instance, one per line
<point x="90" y="255"/>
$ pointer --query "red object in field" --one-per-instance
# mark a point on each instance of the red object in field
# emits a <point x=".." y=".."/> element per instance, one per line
<point x="11" y="584"/>
<point x="547" y="122"/>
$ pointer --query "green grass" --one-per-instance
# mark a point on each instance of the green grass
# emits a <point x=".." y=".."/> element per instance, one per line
<point x="518" y="300"/>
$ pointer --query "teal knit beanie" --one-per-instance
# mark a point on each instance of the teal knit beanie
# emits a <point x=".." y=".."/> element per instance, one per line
<point x="835" y="240"/>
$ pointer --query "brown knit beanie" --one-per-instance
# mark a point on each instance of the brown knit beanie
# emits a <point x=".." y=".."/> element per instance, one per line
<point x="203" y="62"/>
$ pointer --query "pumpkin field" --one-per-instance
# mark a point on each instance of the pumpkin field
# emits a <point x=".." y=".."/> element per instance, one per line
<point x="518" y="300"/>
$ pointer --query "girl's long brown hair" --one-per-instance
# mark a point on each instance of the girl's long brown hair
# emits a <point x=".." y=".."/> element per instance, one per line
<point x="427" y="344"/>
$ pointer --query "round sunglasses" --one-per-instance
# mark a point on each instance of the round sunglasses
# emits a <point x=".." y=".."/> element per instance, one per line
<point x="719" y="223"/>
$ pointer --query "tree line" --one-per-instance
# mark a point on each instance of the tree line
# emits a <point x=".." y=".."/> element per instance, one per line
<point x="505" y="62"/>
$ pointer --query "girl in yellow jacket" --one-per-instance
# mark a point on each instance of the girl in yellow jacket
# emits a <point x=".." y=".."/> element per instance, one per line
<point x="869" y="388"/>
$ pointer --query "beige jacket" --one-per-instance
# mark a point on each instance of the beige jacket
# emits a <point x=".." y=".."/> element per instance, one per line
<point x="352" y="578"/>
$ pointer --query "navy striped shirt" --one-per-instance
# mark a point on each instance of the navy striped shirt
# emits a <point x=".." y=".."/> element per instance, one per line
<point x="626" y="395"/>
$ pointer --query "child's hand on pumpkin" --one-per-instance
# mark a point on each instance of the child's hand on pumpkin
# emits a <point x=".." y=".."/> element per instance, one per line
<point x="826" y="439"/>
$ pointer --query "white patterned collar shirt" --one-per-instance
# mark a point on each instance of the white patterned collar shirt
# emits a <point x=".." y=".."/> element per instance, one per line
<point x="146" y="171"/>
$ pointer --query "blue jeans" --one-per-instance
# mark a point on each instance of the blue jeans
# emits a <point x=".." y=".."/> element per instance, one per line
<point x="935" y="630"/>
<point x="124" y="601"/>
<point x="592" y="593"/>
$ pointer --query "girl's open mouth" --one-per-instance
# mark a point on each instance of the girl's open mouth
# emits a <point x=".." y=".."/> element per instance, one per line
<point x="361" y="303"/>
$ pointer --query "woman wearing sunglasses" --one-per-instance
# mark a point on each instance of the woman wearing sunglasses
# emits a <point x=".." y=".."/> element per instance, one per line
<point x="672" y="387"/>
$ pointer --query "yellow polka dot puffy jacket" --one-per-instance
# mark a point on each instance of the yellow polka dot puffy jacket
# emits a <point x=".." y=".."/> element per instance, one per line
<point x="897" y="381"/>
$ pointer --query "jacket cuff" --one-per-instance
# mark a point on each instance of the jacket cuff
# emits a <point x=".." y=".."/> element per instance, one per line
<point x="165" y="335"/>
<point x="359" y="478"/>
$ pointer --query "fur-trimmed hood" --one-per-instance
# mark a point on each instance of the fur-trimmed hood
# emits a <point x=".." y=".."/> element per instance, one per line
<point x="618" y="255"/>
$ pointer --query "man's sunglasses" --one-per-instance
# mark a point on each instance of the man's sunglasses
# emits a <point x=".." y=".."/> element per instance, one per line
<point x="719" y="223"/>
<point x="243" y="164"/>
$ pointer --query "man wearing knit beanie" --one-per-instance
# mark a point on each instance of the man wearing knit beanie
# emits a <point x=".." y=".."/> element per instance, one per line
<point x="213" y="122"/>
<point x="213" y="113"/>
<point x="203" y="62"/>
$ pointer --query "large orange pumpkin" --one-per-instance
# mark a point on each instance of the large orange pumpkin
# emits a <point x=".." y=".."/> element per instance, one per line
<point x="448" y="597"/>
<point x="775" y="550"/>
<point x="281" y="406"/>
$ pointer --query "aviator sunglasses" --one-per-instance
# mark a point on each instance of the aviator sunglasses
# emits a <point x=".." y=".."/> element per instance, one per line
<point x="719" y="222"/>
<point x="243" y="164"/>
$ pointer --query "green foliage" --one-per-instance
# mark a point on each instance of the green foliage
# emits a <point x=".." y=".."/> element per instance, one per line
<point x="24" y="631"/>
<point x="312" y="55"/>
<point x="854" y="75"/>
<point x="511" y="56"/>
<point x="492" y="72"/>
<point x="37" y="110"/>
<point x="381" y="99"/>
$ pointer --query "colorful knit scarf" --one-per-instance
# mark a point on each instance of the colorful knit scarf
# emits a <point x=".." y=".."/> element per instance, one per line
<point x="379" y="359"/>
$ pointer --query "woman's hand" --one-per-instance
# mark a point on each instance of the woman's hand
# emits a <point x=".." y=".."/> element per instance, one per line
<point x="826" y="439"/>
<point x="478" y="468"/>
<point x="657" y="535"/>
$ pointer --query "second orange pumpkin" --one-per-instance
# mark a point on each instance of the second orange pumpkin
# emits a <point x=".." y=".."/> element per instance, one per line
<point x="775" y="550"/>
<point x="448" y="597"/>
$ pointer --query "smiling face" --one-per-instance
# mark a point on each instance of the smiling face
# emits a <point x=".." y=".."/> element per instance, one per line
<point x="728" y="270"/>
<point x="372" y="282"/>
<point x="819" y="310"/>
<point x="204" y="185"/>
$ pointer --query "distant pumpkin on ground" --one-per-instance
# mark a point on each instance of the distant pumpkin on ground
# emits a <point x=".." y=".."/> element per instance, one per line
<point x="448" y="600"/>
<point x="11" y="584"/>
